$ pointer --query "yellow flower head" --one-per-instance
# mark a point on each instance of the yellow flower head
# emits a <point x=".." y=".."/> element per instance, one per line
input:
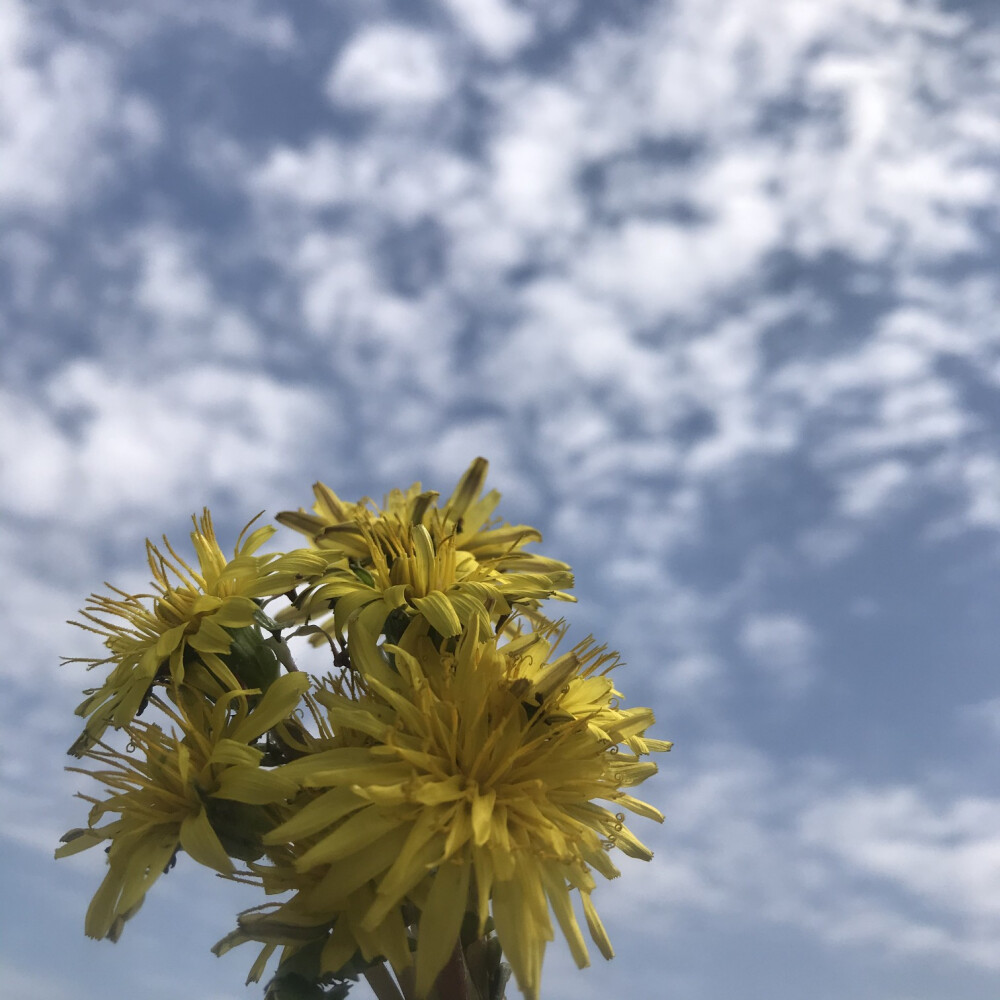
<point x="446" y="791"/>
<point x="184" y="631"/>
<point x="181" y="792"/>
<point x="576" y="685"/>
<point x="459" y="778"/>
<point x="447" y="564"/>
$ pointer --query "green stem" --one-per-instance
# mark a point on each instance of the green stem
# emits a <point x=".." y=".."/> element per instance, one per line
<point x="283" y="653"/>
<point x="381" y="983"/>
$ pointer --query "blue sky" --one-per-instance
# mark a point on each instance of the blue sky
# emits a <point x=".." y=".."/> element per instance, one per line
<point x="712" y="283"/>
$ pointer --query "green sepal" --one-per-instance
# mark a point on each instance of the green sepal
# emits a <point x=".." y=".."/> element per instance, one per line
<point x="361" y="573"/>
<point x="250" y="658"/>
<point x="299" y="977"/>
<point x="240" y="827"/>
<point x="484" y="960"/>
<point x="291" y="986"/>
<point x="262" y="618"/>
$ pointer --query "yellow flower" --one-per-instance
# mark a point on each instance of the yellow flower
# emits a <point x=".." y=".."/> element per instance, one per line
<point x="177" y="792"/>
<point x="577" y="685"/>
<point x="454" y="796"/>
<point x="446" y="564"/>
<point x="186" y="634"/>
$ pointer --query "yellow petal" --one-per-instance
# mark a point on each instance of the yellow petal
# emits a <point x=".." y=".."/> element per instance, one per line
<point x="423" y="550"/>
<point x="79" y="840"/>
<point x="279" y="701"/>
<point x="657" y="746"/>
<point x="468" y="488"/>
<point x="477" y="514"/>
<point x="228" y="751"/>
<point x="329" y="504"/>
<point x="204" y="604"/>
<point x="255" y="539"/>
<point x="440" y="922"/>
<point x="437" y="609"/>
<point x="255" y="786"/>
<point x="339" y="948"/>
<point x="356" y="831"/>
<point x="459" y="830"/>
<point x="597" y="931"/>
<point x="210" y="638"/>
<point x="168" y="641"/>
<point x="637" y="806"/>
<point x="630" y="844"/>
<point x="353" y="871"/>
<point x="298" y="520"/>
<point x="260" y="963"/>
<point x="482" y="816"/>
<point x="200" y="841"/>
<point x="434" y="793"/>
<point x="501" y="540"/>
<point x="422" y="848"/>
<point x="101" y="911"/>
<point x="366" y="655"/>
<point x="346" y="538"/>
<point x="144" y="867"/>
<point x="322" y="812"/>
<point x="562" y="906"/>
<point x="516" y="933"/>
<point x="350" y="605"/>
<point x="235" y="612"/>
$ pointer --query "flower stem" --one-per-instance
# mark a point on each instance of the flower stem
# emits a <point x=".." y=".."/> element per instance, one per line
<point x="453" y="980"/>
<point x="381" y="983"/>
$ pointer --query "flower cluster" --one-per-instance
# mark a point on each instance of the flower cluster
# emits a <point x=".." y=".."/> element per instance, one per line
<point x="450" y="786"/>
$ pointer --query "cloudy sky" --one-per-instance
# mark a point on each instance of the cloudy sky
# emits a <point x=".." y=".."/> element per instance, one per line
<point x="712" y="283"/>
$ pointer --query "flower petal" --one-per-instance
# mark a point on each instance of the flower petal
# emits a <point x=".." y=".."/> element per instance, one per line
<point x="440" y="922"/>
<point x="200" y="841"/>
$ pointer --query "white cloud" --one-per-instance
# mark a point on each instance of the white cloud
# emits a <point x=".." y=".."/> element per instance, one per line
<point x="63" y="116"/>
<point x="312" y="178"/>
<point x="656" y="267"/>
<point x="689" y="678"/>
<point x="148" y="441"/>
<point x="400" y="181"/>
<point x="783" y="647"/>
<point x="914" y="171"/>
<point x="163" y="301"/>
<point x="249" y="22"/>
<point x="947" y="855"/>
<point x="564" y="323"/>
<point x="497" y="26"/>
<point x="873" y="489"/>
<point x="371" y="335"/>
<point x="170" y="286"/>
<point x="621" y="382"/>
<point x="597" y="281"/>
<point x="855" y="864"/>
<point x="534" y="155"/>
<point x="977" y="479"/>
<point x="827" y="74"/>
<point x="389" y="66"/>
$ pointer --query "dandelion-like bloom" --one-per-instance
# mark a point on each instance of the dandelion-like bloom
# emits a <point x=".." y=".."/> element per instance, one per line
<point x="181" y="791"/>
<point x="577" y="685"/>
<point x="457" y="778"/>
<point x="446" y="791"/>
<point x="187" y="634"/>
<point x="448" y="564"/>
